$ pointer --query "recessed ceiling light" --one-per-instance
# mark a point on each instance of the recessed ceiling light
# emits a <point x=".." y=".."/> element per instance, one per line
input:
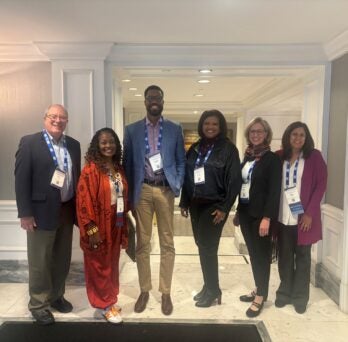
<point x="126" y="80"/>
<point x="133" y="89"/>
<point x="203" y="81"/>
<point x="138" y="95"/>
<point x="195" y="112"/>
<point x="205" y="71"/>
<point x="198" y="95"/>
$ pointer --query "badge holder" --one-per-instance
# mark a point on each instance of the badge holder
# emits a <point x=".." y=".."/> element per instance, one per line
<point x="58" y="179"/>
<point x="199" y="175"/>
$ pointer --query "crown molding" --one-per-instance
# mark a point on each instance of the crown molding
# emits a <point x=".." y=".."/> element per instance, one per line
<point x="215" y="54"/>
<point x="337" y="47"/>
<point x="75" y="50"/>
<point x="21" y="52"/>
<point x="166" y="55"/>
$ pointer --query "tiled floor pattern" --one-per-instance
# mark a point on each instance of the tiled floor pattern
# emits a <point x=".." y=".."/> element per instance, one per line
<point x="323" y="320"/>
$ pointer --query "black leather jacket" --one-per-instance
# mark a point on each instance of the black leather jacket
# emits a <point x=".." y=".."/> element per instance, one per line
<point x="222" y="176"/>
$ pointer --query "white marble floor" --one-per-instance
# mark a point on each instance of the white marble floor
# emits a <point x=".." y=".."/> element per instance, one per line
<point x="323" y="321"/>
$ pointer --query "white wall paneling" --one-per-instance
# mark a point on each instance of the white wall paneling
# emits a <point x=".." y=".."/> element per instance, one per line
<point x="316" y="105"/>
<point x="118" y="115"/>
<point x="77" y="93"/>
<point x="13" y="242"/>
<point x="344" y="241"/>
<point x="332" y="219"/>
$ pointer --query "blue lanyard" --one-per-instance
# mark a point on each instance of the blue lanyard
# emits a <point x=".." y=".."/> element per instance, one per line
<point x="160" y="135"/>
<point x="116" y="181"/>
<point x="198" y="160"/>
<point x="287" y="174"/>
<point x="53" y="154"/>
<point x="250" y="171"/>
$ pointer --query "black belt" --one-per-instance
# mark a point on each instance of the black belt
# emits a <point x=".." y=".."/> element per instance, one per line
<point x="163" y="182"/>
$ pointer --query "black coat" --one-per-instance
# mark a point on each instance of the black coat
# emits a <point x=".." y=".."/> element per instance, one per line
<point x="222" y="176"/>
<point x="33" y="173"/>
<point x="265" y="187"/>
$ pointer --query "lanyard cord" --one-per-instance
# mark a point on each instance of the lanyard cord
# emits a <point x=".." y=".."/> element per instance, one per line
<point x="160" y="136"/>
<point x="52" y="152"/>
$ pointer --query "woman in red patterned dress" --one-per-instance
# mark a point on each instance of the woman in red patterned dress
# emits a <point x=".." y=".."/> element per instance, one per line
<point x="101" y="213"/>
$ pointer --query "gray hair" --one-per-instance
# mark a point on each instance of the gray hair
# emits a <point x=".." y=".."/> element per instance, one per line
<point x="56" y="105"/>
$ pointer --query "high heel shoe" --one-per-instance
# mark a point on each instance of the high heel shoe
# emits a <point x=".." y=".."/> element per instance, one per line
<point x="254" y="313"/>
<point x="200" y="294"/>
<point x="208" y="300"/>
<point x="248" y="298"/>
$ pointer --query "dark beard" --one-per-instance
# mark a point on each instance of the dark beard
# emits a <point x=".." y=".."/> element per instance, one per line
<point x="155" y="112"/>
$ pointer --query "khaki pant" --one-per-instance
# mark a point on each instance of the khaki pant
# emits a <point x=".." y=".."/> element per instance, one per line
<point x="159" y="200"/>
<point x="49" y="255"/>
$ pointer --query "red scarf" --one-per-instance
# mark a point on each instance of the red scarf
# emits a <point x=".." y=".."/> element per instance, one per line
<point x="256" y="152"/>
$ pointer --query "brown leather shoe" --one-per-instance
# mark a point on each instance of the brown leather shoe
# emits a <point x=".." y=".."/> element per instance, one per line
<point x="140" y="304"/>
<point x="167" y="305"/>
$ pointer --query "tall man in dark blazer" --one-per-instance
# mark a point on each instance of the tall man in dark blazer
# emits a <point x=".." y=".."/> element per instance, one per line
<point x="154" y="160"/>
<point x="47" y="169"/>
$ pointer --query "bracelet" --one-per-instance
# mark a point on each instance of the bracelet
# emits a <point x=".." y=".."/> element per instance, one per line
<point x="92" y="231"/>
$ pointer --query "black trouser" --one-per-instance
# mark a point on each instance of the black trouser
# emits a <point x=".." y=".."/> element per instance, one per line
<point x="294" y="267"/>
<point x="207" y="237"/>
<point x="260" y="251"/>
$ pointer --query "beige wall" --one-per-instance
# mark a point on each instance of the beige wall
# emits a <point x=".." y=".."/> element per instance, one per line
<point x="337" y="132"/>
<point x="25" y="92"/>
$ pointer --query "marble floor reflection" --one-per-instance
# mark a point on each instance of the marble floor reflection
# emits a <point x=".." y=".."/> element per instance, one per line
<point x="323" y="320"/>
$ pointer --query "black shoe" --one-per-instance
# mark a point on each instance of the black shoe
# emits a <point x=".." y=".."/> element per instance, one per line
<point x="141" y="302"/>
<point x="280" y="303"/>
<point x="248" y="298"/>
<point x="167" y="305"/>
<point x="43" y="316"/>
<point x="254" y="313"/>
<point x="208" y="299"/>
<point x="300" y="308"/>
<point x="200" y="294"/>
<point x="62" y="305"/>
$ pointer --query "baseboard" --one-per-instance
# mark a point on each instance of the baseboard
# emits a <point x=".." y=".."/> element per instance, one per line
<point x="329" y="283"/>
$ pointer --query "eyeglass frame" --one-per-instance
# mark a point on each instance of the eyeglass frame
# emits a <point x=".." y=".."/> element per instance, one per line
<point x="257" y="132"/>
<point x="55" y="117"/>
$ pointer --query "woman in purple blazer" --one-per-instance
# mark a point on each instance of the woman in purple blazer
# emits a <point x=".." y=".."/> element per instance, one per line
<point x="303" y="187"/>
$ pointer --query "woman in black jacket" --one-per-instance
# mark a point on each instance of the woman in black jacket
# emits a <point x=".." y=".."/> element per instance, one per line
<point x="258" y="204"/>
<point x="212" y="183"/>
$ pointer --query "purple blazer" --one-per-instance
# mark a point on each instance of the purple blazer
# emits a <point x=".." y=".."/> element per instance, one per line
<point x="313" y="186"/>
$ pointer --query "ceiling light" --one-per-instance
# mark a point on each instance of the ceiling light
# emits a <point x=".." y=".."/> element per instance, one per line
<point x="126" y="80"/>
<point x="195" y="112"/>
<point x="198" y="95"/>
<point x="138" y="95"/>
<point x="205" y="71"/>
<point x="133" y="89"/>
<point x="203" y="81"/>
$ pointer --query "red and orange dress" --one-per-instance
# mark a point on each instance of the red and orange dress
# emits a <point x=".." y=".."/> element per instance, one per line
<point x="96" y="205"/>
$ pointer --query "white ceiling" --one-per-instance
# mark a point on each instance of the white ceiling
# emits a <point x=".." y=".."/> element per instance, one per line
<point x="169" y="22"/>
<point x="174" y="21"/>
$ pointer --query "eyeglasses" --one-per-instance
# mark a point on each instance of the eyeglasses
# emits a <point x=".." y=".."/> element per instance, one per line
<point x="257" y="131"/>
<point x="154" y="98"/>
<point x="55" y="117"/>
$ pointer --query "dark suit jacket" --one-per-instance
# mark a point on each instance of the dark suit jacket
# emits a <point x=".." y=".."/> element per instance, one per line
<point x="265" y="187"/>
<point x="172" y="152"/>
<point x="33" y="173"/>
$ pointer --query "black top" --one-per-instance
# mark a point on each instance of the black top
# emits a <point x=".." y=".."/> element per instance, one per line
<point x="265" y="187"/>
<point x="222" y="176"/>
